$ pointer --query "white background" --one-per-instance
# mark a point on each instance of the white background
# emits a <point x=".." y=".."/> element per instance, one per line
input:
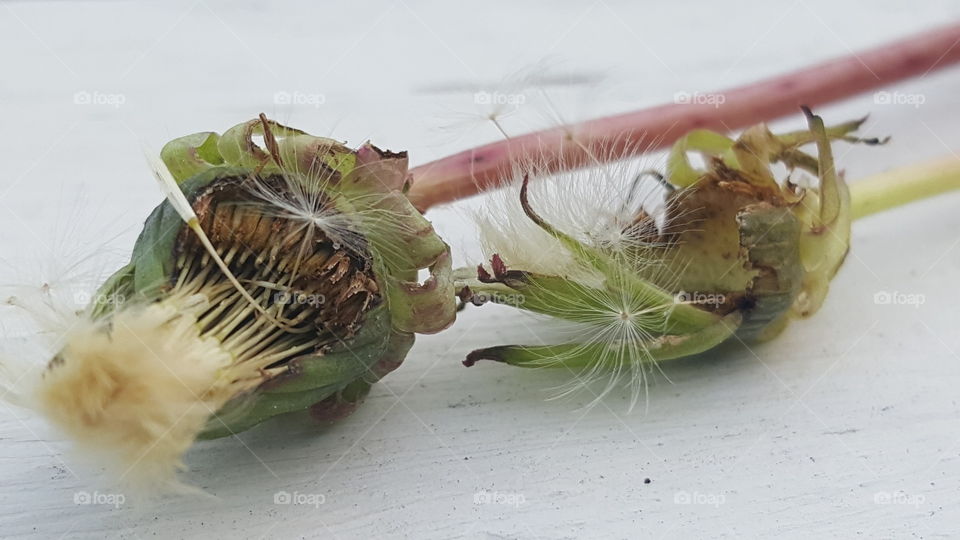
<point x="801" y="437"/>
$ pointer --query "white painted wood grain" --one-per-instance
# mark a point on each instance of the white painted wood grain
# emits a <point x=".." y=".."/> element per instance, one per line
<point x="797" y="438"/>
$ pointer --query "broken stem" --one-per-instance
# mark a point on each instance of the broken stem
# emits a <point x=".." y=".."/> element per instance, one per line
<point x="629" y="134"/>
<point x="907" y="184"/>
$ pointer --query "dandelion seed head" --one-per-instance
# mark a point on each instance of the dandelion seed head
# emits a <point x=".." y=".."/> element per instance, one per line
<point x="611" y="209"/>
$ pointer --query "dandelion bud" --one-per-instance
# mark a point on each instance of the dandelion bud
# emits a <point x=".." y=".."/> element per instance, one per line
<point x="729" y="250"/>
<point x="289" y="281"/>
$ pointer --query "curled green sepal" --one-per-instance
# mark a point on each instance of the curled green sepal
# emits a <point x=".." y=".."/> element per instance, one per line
<point x="579" y="302"/>
<point x="191" y="155"/>
<point x="425" y="307"/>
<point x="579" y="356"/>
<point x="313" y="378"/>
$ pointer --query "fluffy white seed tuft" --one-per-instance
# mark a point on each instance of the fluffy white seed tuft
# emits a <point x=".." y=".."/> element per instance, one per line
<point x="135" y="393"/>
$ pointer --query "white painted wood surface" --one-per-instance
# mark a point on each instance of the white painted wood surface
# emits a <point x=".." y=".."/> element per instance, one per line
<point x="846" y="426"/>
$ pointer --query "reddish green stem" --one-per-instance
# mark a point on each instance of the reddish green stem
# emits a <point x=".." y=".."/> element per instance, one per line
<point x="628" y="134"/>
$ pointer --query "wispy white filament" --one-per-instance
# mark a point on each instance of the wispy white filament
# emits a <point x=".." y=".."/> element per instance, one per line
<point x="178" y="200"/>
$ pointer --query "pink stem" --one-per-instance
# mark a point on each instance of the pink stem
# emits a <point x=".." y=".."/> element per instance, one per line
<point x="614" y="137"/>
